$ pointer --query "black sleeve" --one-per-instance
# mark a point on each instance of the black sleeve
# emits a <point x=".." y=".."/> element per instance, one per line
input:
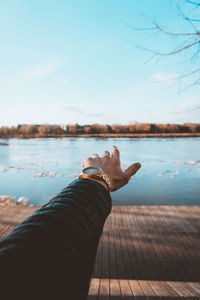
<point x="51" y="254"/>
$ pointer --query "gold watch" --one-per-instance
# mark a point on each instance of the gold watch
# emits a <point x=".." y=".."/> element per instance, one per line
<point x="95" y="173"/>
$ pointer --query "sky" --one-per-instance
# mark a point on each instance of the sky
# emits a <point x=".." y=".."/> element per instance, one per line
<point x="83" y="61"/>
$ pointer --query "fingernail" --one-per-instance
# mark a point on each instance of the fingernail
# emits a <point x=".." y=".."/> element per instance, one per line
<point x="138" y="165"/>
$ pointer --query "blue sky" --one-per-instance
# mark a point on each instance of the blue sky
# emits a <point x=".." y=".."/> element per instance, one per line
<point x="75" y="61"/>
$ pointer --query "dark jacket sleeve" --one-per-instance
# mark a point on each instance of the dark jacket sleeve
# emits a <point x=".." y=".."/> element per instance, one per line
<point x="51" y="254"/>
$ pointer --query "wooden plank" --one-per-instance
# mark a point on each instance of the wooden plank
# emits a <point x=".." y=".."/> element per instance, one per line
<point x="190" y="289"/>
<point x="138" y="245"/>
<point x="175" y="248"/>
<point x="147" y="290"/>
<point x="181" y="289"/>
<point x="94" y="289"/>
<point x="125" y="289"/>
<point x="8" y="219"/>
<point x="196" y="287"/>
<point x="149" y="249"/>
<point x="115" y="291"/>
<point x="112" y="247"/>
<point x="187" y="266"/>
<point x="168" y="289"/>
<point x="119" y="251"/>
<point x="158" y="290"/>
<point x="132" y="244"/>
<point x="160" y="244"/>
<point x="157" y="245"/>
<point x="104" y="290"/>
<point x="191" y="237"/>
<point x="136" y="289"/>
<point x="191" y="215"/>
<point x="124" y="241"/>
<point x="97" y="270"/>
<point x="12" y="215"/>
<point x="183" y="221"/>
<point x="105" y="255"/>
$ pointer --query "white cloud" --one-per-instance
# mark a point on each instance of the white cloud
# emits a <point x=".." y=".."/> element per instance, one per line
<point x="73" y="109"/>
<point x="187" y="111"/>
<point x="76" y="110"/>
<point x="42" y="70"/>
<point x="164" y="78"/>
<point x="192" y="104"/>
<point x="188" y="108"/>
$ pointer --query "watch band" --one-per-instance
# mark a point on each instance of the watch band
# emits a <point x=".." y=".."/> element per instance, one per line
<point x="94" y="177"/>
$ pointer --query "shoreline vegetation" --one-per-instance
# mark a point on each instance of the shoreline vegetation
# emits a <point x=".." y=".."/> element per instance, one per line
<point x="135" y="130"/>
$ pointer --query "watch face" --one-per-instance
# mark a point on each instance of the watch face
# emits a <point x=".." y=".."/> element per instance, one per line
<point x="91" y="170"/>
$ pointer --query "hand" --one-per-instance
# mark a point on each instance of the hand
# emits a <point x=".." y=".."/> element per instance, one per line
<point x="112" y="168"/>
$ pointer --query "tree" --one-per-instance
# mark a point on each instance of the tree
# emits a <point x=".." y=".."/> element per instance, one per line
<point x="45" y="130"/>
<point x="27" y="130"/>
<point x="189" y="41"/>
<point x="4" y="132"/>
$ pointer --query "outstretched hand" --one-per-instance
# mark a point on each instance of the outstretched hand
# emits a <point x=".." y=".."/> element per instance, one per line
<point x="111" y="166"/>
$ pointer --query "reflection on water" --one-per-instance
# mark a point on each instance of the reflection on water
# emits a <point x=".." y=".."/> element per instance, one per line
<point x="40" y="168"/>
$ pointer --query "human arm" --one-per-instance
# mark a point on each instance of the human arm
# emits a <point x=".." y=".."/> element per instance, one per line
<point x="53" y="251"/>
<point x="55" y="247"/>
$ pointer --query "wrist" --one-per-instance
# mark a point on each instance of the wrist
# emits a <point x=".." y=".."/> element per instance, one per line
<point x="97" y="174"/>
<point x="97" y="180"/>
<point x="101" y="182"/>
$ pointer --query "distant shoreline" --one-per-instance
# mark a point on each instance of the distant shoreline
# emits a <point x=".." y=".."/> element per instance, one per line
<point x="136" y="130"/>
<point x="109" y="135"/>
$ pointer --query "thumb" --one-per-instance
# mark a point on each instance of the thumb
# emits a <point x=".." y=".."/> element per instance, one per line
<point x="130" y="171"/>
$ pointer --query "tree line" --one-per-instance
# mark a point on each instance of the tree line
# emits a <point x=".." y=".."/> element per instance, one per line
<point x="76" y="129"/>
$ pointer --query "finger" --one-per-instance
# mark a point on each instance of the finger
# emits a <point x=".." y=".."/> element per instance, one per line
<point x="84" y="163"/>
<point x="95" y="155"/>
<point x="130" y="171"/>
<point x="115" y="152"/>
<point x="87" y="162"/>
<point x="106" y="153"/>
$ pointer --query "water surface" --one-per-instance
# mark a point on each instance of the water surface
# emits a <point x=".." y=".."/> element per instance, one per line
<point x="170" y="173"/>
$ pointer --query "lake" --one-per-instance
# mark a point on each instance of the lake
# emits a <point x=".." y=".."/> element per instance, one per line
<point x="39" y="168"/>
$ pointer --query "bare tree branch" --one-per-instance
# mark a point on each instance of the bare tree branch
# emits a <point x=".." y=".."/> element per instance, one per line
<point x="192" y="2"/>
<point x="190" y="40"/>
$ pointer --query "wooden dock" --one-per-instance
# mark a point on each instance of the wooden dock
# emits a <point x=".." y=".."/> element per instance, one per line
<point x="145" y="252"/>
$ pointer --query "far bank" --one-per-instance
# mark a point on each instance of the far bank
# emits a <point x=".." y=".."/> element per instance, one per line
<point x="105" y="135"/>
